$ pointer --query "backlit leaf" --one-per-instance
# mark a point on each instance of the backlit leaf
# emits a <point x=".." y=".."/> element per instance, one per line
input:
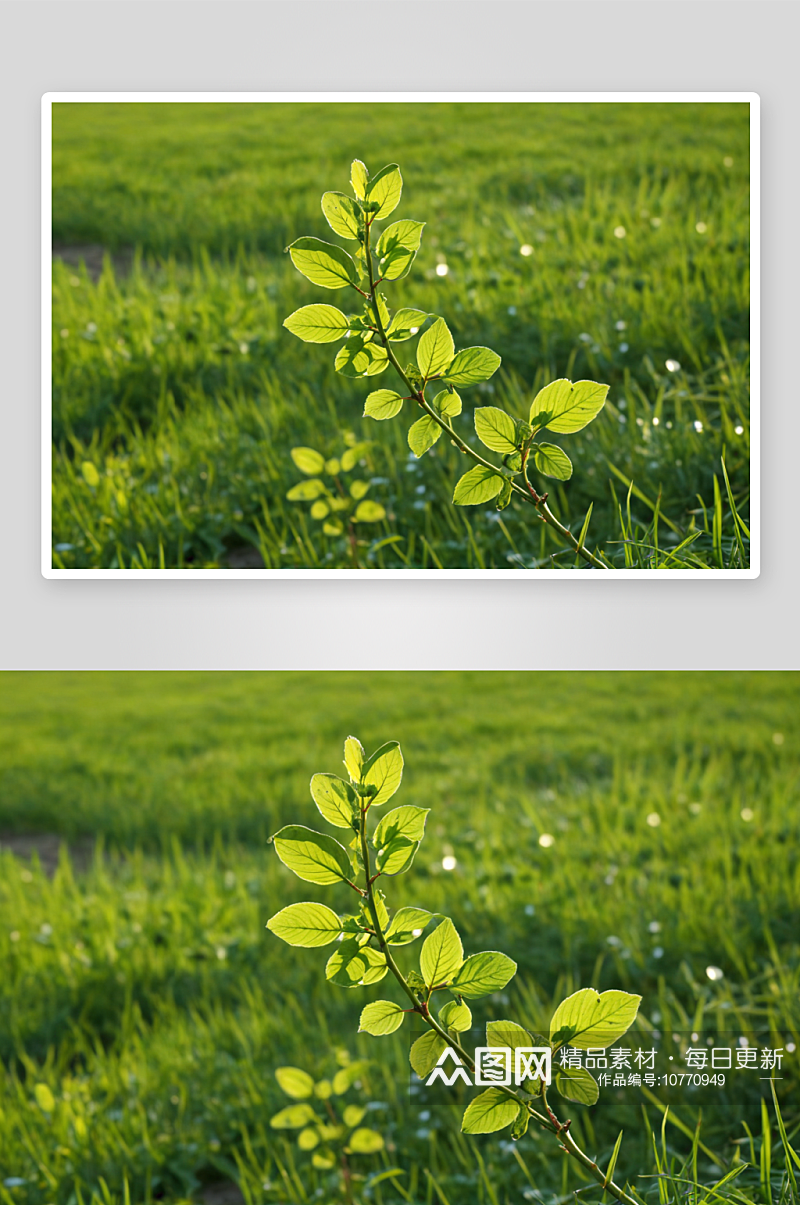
<point x="381" y="1017"/>
<point x="442" y="954"/>
<point x="405" y="923"/>
<point x="314" y="857"/>
<point x="369" y="512"/>
<point x="405" y="821"/>
<point x="483" y="974"/>
<point x="308" y="460"/>
<point x="365" y="1142"/>
<point x="447" y="403"/>
<point x="384" y="771"/>
<point x="435" y="349"/>
<point x="496" y="429"/>
<point x="342" y="213"/>
<point x="385" y="190"/>
<point x="353" y="758"/>
<point x="472" y="365"/>
<point x="396" y="856"/>
<point x="359" y="358"/>
<point x="595" y="1019"/>
<point x="563" y="407"/>
<point x="423" y="434"/>
<point x="306" y="924"/>
<point x="578" y="1084"/>
<point x="317" y="323"/>
<point x="359" y="178"/>
<point x="294" y="1082"/>
<point x="456" y="1016"/>
<point x="323" y="263"/>
<point x="293" y="1118"/>
<point x="335" y="799"/>
<point x="478" y="485"/>
<point x="426" y="1052"/>
<point x="383" y="403"/>
<point x="405" y="324"/>
<point x="490" y="1111"/>
<point x="552" y="461"/>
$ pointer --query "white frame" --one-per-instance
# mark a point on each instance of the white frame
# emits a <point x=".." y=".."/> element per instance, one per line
<point x="750" y="98"/>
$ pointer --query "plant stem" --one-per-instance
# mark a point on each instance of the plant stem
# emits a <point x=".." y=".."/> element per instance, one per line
<point x="551" y="1122"/>
<point x="418" y="395"/>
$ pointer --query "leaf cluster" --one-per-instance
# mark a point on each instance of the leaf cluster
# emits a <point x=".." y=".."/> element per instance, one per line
<point x="334" y="501"/>
<point x="326" y="1130"/>
<point x="367" y="940"/>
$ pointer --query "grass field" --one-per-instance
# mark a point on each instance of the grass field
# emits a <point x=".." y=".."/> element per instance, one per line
<point x="144" y="1008"/>
<point x="178" y="387"/>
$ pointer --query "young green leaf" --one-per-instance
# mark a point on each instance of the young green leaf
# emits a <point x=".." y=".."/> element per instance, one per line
<point x="335" y="799"/>
<point x="345" y="1077"/>
<point x="426" y="1052"/>
<point x="307" y="1139"/>
<point x="381" y="1017"/>
<point x="307" y="924"/>
<point x="383" y="403"/>
<point x="578" y="1084"/>
<point x="343" y="215"/>
<point x="318" y="324"/>
<point x="456" y="1016"/>
<point x="496" y="429"/>
<point x="519" y="1127"/>
<point x="306" y="491"/>
<point x="354" y="758"/>
<point x="294" y="1082"/>
<point x="564" y="408"/>
<point x="334" y="527"/>
<point x="352" y="965"/>
<point x="369" y="512"/>
<point x="406" y="821"/>
<point x="595" y="1019"/>
<point x="293" y="1118"/>
<point x="472" y="365"/>
<point x="405" y="234"/>
<point x="359" y="178"/>
<point x="365" y="1142"/>
<point x="397" y="248"/>
<point x="483" y="974"/>
<point x="504" y="497"/>
<point x="552" y="461"/>
<point x="490" y="1111"/>
<point x="435" y="350"/>
<point x="359" y="489"/>
<point x="320" y="509"/>
<point x="477" y="485"/>
<point x="308" y="461"/>
<point x="385" y="190"/>
<point x="442" y="954"/>
<point x="312" y="856"/>
<point x="407" y="924"/>
<point x="396" y="856"/>
<point x="507" y="1033"/>
<point x="360" y="358"/>
<point x="352" y="456"/>
<point x="405" y="324"/>
<point x="323" y="263"/>
<point x="423" y="434"/>
<point x="447" y="403"/>
<point x="384" y="771"/>
<point x="353" y="1114"/>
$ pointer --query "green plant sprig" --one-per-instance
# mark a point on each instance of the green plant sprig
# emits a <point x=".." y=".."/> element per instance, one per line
<point x="337" y="505"/>
<point x="368" y="350"/>
<point x="365" y="954"/>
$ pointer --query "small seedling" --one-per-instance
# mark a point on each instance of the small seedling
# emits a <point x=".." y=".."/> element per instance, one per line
<point x="369" y="939"/>
<point x="336" y="498"/>
<point x="370" y="345"/>
<point x="330" y="1131"/>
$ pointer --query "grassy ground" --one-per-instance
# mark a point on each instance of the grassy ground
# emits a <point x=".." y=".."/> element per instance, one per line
<point x="145" y="994"/>
<point x="178" y="386"/>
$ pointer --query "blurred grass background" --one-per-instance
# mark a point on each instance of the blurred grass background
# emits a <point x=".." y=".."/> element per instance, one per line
<point x="175" y="381"/>
<point x="138" y="983"/>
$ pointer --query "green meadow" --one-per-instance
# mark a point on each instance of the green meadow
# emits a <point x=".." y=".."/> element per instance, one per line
<point x="601" y="241"/>
<point x="144" y="1007"/>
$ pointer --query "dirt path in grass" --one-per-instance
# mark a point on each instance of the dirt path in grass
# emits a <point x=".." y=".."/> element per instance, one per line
<point x="47" y="846"/>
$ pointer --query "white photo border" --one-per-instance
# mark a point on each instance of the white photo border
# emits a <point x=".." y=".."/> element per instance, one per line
<point x="750" y="98"/>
